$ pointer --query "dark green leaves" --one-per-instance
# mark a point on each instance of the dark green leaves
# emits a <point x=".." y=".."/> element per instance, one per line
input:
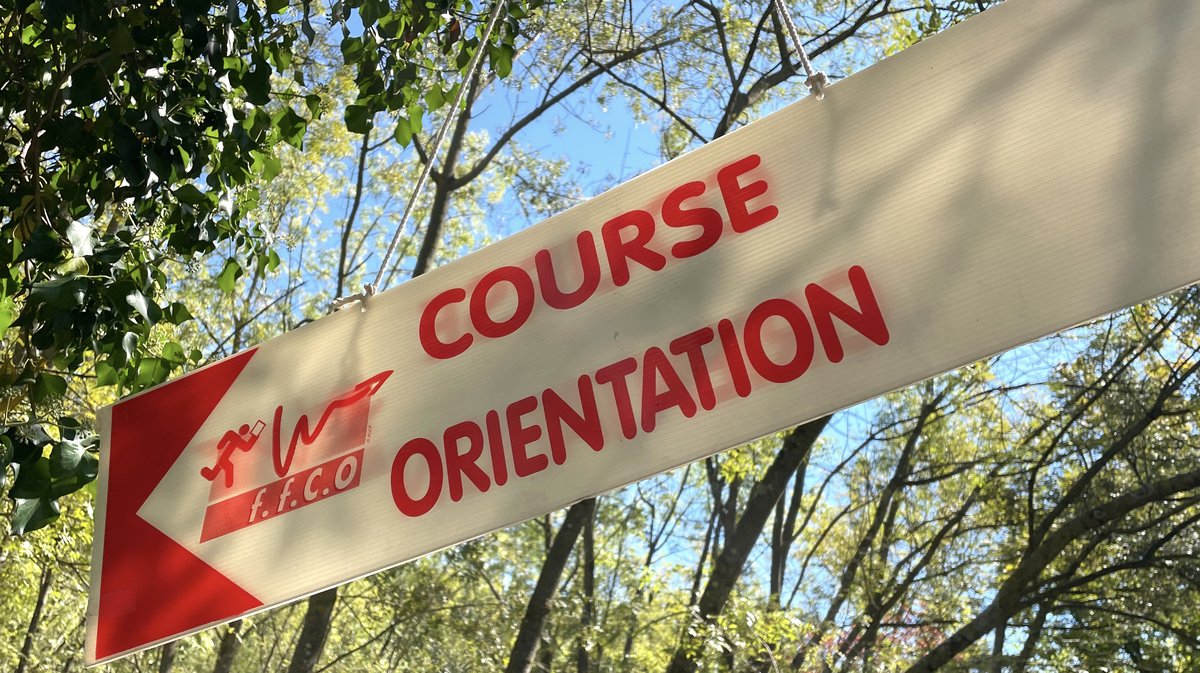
<point x="501" y="58"/>
<point x="6" y="456"/>
<point x="120" y="41"/>
<point x="61" y="293"/>
<point x="142" y="129"/>
<point x="188" y="193"/>
<point x="372" y="10"/>
<point x="257" y="82"/>
<point x="177" y="313"/>
<point x="30" y="514"/>
<point x="227" y="279"/>
<point x="65" y="458"/>
<point x="39" y="479"/>
<point x="352" y="49"/>
<point x="106" y="374"/>
<point x="392" y="60"/>
<point x="291" y="127"/>
<point x="358" y="118"/>
<point x="48" y="386"/>
<point x="88" y="85"/>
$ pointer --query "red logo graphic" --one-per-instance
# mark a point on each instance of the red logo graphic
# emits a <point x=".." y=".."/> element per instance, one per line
<point x="329" y="464"/>
<point x="243" y="440"/>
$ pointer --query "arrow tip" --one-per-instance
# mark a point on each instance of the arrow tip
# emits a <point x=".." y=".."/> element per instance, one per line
<point x="151" y="587"/>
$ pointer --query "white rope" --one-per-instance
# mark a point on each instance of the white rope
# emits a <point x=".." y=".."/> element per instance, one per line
<point x="817" y="81"/>
<point x="370" y="289"/>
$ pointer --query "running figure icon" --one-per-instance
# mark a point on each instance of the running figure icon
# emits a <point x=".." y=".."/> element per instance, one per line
<point x="241" y="440"/>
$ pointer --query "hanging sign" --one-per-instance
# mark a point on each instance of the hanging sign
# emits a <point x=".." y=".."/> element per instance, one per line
<point x="1008" y="178"/>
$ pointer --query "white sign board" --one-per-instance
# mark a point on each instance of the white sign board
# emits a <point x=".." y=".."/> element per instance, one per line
<point x="1033" y="168"/>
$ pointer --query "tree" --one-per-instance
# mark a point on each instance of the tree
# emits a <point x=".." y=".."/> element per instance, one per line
<point x="131" y="137"/>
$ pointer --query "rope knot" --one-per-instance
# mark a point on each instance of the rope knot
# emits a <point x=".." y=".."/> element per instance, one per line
<point x="359" y="297"/>
<point x="816" y="84"/>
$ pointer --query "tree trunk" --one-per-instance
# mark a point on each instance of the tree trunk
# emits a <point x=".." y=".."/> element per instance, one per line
<point x="588" y="611"/>
<point x="166" y="656"/>
<point x="740" y="540"/>
<point x="784" y="534"/>
<point x="529" y="634"/>
<point x="997" y="663"/>
<point x="1033" y="635"/>
<point x="444" y="184"/>
<point x="433" y="230"/>
<point x="314" y="633"/>
<point x="34" y="620"/>
<point x="231" y="642"/>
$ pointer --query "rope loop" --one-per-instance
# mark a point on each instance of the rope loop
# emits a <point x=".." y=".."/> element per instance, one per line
<point x="817" y="80"/>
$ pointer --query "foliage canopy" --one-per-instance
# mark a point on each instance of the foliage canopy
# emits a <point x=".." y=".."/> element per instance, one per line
<point x="136" y="135"/>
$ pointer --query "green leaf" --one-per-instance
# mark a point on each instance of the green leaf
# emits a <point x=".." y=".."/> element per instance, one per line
<point x="266" y="262"/>
<point x="64" y="458"/>
<point x="435" y="97"/>
<point x="48" y="386"/>
<point x="129" y="344"/>
<point x="306" y="22"/>
<point x="76" y="266"/>
<point x="83" y="475"/>
<point x="416" y="117"/>
<point x="352" y="49"/>
<point x="6" y="451"/>
<point x="68" y="427"/>
<point x="138" y="301"/>
<point x="59" y="293"/>
<point x="8" y="313"/>
<point x="227" y="279"/>
<point x="313" y="102"/>
<point x="358" y="118"/>
<point x="268" y="165"/>
<point x="173" y="353"/>
<point x="371" y="10"/>
<point x="292" y="127"/>
<point x="177" y="313"/>
<point x="403" y="133"/>
<point x="106" y="374"/>
<point x="189" y="194"/>
<point x="152" y="371"/>
<point x="257" y="82"/>
<point x="120" y="41"/>
<point x="33" y="479"/>
<point x="80" y="237"/>
<point x="88" y="85"/>
<point x="505" y="61"/>
<point x="30" y="514"/>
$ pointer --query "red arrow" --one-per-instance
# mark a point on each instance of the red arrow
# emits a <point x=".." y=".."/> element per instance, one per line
<point x="151" y="588"/>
